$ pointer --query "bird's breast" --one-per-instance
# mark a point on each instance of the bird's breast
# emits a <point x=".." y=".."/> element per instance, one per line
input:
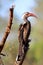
<point x="25" y="33"/>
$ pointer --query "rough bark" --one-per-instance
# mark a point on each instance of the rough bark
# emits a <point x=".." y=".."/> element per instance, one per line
<point x="26" y="48"/>
<point x="7" y="31"/>
<point x="1" y="62"/>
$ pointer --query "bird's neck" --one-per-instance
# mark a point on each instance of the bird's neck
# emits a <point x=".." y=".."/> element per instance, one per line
<point x="25" y="20"/>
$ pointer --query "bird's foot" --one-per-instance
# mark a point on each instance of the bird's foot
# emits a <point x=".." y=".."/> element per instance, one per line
<point x="29" y="40"/>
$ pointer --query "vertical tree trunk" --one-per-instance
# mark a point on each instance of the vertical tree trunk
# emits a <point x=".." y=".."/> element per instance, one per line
<point x="23" y="56"/>
<point x="1" y="62"/>
<point x="7" y="31"/>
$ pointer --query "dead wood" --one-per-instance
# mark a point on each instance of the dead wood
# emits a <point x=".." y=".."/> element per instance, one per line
<point x="7" y="31"/>
<point x="26" y="48"/>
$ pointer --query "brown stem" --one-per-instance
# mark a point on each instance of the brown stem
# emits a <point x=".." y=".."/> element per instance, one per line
<point x="1" y="62"/>
<point x="7" y="31"/>
<point x="23" y="56"/>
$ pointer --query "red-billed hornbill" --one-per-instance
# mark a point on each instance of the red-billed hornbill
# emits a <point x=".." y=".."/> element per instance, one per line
<point x="23" y="33"/>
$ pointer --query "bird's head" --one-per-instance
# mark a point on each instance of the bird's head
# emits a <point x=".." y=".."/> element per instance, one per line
<point x="27" y="14"/>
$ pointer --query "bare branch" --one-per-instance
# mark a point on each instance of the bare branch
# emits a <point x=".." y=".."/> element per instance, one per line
<point x="7" y="31"/>
<point x="23" y="56"/>
<point x="1" y="62"/>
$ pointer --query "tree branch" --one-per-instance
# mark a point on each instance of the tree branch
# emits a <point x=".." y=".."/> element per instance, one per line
<point x="24" y="55"/>
<point x="1" y="62"/>
<point x="7" y="31"/>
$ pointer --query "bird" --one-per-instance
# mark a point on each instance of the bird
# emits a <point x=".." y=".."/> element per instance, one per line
<point x="27" y="25"/>
<point x="24" y="33"/>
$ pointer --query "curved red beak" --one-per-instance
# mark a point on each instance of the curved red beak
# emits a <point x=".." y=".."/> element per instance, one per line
<point x="31" y="14"/>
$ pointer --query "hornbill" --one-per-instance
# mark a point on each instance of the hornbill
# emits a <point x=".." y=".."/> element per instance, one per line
<point x="23" y="34"/>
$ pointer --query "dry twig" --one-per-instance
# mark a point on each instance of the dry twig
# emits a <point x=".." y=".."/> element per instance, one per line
<point x="7" y="31"/>
<point x="23" y="56"/>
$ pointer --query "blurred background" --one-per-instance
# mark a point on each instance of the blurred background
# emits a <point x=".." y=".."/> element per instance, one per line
<point x="35" y="53"/>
